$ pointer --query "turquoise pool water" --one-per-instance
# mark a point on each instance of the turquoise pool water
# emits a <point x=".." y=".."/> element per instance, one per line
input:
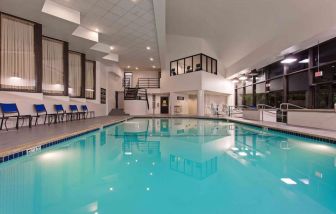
<point x="174" y="166"/>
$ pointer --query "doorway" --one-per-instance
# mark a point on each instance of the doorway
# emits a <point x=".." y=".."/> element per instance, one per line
<point x="164" y="105"/>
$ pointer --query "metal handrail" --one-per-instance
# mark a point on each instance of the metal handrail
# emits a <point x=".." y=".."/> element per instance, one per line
<point x="264" y="106"/>
<point x="283" y="110"/>
<point x="290" y="104"/>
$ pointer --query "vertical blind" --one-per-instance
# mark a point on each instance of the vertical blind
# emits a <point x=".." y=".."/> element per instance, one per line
<point x="17" y="54"/>
<point x="75" y="74"/>
<point x="53" y="66"/>
<point x="89" y="79"/>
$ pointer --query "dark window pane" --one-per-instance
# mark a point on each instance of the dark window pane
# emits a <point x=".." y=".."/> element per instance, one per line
<point x="275" y="69"/>
<point x="325" y="73"/>
<point x="260" y="93"/>
<point x="275" y="98"/>
<point x="276" y="84"/>
<point x="298" y="82"/>
<point x="214" y="66"/>
<point x="249" y="96"/>
<point x="240" y="96"/>
<point x="327" y="51"/>
<point x="188" y="65"/>
<point x="197" y="62"/>
<point x="209" y="65"/>
<point x="261" y="76"/>
<point x="297" y="98"/>
<point x="204" y="61"/>
<point x="322" y="96"/>
<point x="301" y="63"/>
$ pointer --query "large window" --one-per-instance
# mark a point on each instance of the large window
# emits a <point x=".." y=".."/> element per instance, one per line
<point x="275" y="95"/>
<point x="249" y="95"/>
<point x="261" y="93"/>
<point x="75" y="74"/>
<point x="199" y="62"/>
<point x="240" y="93"/>
<point x="18" y="66"/>
<point x="298" y="88"/>
<point x="90" y="76"/>
<point x="274" y="70"/>
<point x="53" y="66"/>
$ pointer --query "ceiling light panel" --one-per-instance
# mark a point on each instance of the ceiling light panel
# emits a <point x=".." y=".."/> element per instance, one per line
<point x="86" y="34"/>
<point x="112" y="57"/>
<point x="60" y="11"/>
<point x="101" y="47"/>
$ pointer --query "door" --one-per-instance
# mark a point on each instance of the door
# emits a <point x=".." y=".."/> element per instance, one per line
<point x="164" y="105"/>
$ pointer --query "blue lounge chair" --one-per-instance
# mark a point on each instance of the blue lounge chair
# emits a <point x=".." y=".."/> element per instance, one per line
<point x="87" y="112"/>
<point x="42" y="111"/>
<point x="10" y="110"/>
<point x="76" y="113"/>
<point x="61" y="113"/>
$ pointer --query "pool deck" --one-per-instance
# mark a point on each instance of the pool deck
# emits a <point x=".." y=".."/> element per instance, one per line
<point x="26" y="138"/>
<point x="322" y="134"/>
<point x="13" y="141"/>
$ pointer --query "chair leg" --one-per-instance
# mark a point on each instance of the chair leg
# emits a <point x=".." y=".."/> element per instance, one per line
<point x="17" y="123"/>
<point x="6" y="124"/>
<point x="45" y="118"/>
<point x="2" y="119"/>
<point x="36" y="120"/>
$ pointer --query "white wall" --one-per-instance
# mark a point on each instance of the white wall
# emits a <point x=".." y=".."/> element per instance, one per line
<point x="182" y="103"/>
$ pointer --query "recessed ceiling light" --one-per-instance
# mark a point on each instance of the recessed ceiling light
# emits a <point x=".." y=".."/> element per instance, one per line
<point x="153" y="66"/>
<point x="136" y="68"/>
<point x="151" y="59"/>
<point x="148" y="48"/>
<point x="289" y="59"/>
<point x="128" y="66"/>
<point x="111" y="48"/>
<point x="97" y="30"/>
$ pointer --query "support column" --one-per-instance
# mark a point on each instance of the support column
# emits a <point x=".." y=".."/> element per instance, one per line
<point x="200" y="103"/>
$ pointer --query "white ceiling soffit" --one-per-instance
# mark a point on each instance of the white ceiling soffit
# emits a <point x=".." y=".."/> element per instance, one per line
<point x="101" y="47"/>
<point x="60" y="11"/>
<point x="86" y="34"/>
<point x="112" y="57"/>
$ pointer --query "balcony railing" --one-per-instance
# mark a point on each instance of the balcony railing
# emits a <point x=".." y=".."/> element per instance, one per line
<point x="198" y="62"/>
<point x="148" y="83"/>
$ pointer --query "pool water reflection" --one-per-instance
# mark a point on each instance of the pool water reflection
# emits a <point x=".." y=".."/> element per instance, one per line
<point x="174" y="166"/>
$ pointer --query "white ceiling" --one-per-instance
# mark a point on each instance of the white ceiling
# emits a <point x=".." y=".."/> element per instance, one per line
<point x="128" y="25"/>
<point x="241" y="30"/>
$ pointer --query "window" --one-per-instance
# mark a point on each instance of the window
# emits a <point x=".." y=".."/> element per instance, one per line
<point x="180" y="66"/>
<point x="261" y="76"/>
<point x="90" y="77"/>
<point x="249" y="96"/>
<point x="327" y="51"/>
<point x="53" y="66"/>
<point x="209" y="65"/>
<point x="173" y="68"/>
<point x="75" y="74"/>
<point x="261" y="93"/>
<point x="275" y="95"/>
<point x="197" y="62"/>
<point x="18" y="69"/>
<point x="274" y="70"/>
<point x="301" y="63"/>
<point x="188" y="65"/>
<point x="323" y="97"/>
<point x="204" y="62"/>
<point x="326" y="73"/>
<point x="240" y="92"/>
<point x="297" y="89"/>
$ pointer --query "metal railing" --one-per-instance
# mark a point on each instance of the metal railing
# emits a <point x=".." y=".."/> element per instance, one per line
<point x="237" y="109"/>
<point x="148" y="83"/>
<point x="284" y="109"/>
<point x="126" y="82"/>
<point x="136" y="94"/>
<point x="268" y="109"/>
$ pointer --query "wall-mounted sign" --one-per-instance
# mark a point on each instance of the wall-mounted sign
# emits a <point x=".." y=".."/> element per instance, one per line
<point x="318" y="74"/>
<point x="180" y="98"/>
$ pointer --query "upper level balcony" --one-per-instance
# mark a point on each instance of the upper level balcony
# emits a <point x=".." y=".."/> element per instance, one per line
<point x="198" y="62"/>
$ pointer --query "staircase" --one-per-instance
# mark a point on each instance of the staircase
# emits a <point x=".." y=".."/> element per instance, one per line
<point x="136" y="94"/>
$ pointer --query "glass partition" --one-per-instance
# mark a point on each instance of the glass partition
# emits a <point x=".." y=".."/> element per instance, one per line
<point x="198" y="62"/>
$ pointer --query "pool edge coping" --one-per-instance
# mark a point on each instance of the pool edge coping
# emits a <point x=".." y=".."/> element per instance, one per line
<point x="24" y="149"/>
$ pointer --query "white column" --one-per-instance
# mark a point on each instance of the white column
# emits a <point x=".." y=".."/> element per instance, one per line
<point x="200" y="103"/>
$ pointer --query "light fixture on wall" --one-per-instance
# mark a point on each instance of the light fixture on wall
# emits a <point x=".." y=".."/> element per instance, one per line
<point x="111" y="48"/>
<point x="289" y="59"/>
<point x="151" y="59"/>
<point x="148" y="47"/>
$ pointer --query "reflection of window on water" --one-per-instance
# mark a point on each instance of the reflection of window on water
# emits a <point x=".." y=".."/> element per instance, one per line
<point x="130" y="147"/>
<point x="192" y="168"/>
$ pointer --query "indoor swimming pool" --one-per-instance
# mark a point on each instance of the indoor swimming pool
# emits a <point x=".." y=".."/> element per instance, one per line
<point x="174" y="166"/>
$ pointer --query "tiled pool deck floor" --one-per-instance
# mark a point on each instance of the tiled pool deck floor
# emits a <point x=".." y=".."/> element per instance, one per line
<point x="25" y="138"/>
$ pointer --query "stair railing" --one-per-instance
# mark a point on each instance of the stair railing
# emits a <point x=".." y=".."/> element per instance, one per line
<point x="284" y="109"/>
